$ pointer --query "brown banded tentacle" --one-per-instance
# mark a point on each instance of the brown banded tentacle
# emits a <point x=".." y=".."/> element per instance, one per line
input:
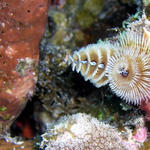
<point x="91" y="61"/>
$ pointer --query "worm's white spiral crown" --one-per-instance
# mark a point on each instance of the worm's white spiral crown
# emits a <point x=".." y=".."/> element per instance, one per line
<point x="124" y="64"/>
<point x="91" y="61"/>
<point x="129" y="69"/>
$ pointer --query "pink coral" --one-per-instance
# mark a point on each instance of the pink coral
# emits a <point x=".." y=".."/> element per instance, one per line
<point x="141" y="134"/>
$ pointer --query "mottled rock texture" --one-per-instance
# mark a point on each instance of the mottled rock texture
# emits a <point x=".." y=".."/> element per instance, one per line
<point x="27" y="145"/>
<point x="22" y="24"/>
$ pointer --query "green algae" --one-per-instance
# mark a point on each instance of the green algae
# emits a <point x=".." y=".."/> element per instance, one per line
<point x="24" y="65"/>
<point x="94" y="6"/>
<point x="85" y="19"/>
<point x="3" y="108"/>
<point x="146" y="2"/>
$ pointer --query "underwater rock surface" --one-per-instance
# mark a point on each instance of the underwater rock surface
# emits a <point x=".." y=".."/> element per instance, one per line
<point x="22" y="25"/>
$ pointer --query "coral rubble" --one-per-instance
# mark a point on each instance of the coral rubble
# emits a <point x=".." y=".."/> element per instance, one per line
<point x="27" y="145"/>
<point x="22" y="24"/>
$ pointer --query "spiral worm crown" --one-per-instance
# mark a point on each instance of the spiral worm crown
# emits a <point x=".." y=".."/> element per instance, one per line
<point x="125" y="65"/>
<point x="91" y="61"/>
<point x="129" y="69"/>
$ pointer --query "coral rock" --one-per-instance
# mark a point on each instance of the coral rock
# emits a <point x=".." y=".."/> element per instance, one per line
<point x="27" y="145"/>
<point x="22" y="24"/>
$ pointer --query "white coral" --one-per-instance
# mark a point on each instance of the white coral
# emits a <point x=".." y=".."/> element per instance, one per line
<point x="82" y="132"/>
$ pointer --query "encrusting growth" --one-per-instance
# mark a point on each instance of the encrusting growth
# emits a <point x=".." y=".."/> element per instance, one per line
<point x="84" y="132"/>
<point x="125" y="65"/>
